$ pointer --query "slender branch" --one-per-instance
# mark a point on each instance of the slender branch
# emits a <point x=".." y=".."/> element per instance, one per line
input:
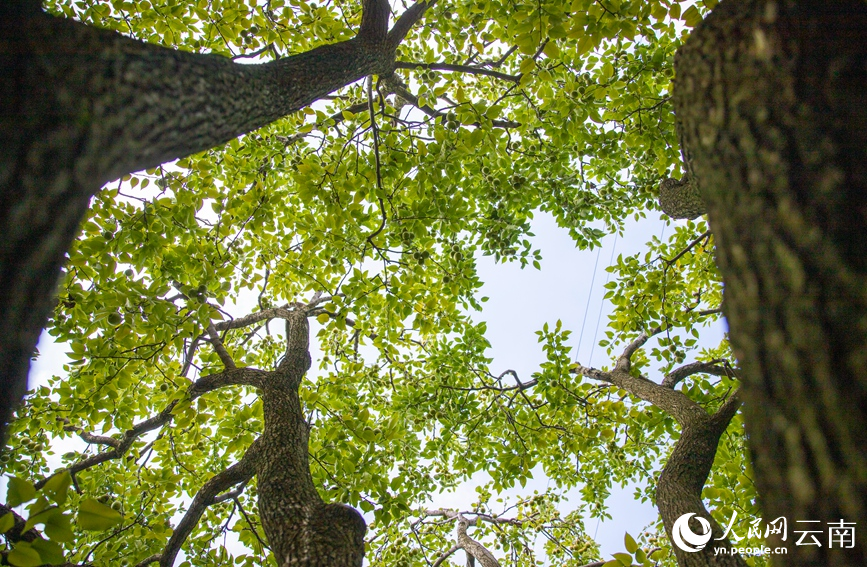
<point x="692" y="244"/>
<point x="240" y="472"/>
<point x="445" y="555"/>
<point x="220" y="348"/>
<point x="406" y="20"/>
<point x="458" y="69"/>
<point x="400" y="90"/>
<point x="337" y="118"/>
<point x="674" y="377"/>
<point x="238" y="376"/>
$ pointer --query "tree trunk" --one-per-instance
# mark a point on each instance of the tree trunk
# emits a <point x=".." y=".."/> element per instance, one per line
<point x="302" y="530"/>
<point x="678" y="490"/>
<point x="771" y="105"/>
<point x="83" y="106"/>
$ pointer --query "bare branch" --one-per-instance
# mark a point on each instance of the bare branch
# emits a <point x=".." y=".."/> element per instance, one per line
<point x="406" y="20"/>
<point x="220" y="348"/>
<point x="674" y="377"/>
<point x="240" y="472"/>
<point x="458" y="69"/>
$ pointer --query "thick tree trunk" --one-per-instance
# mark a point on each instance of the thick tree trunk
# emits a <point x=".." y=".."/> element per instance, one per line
<point x="771" y="102"/>
<point x="83" y="106"/>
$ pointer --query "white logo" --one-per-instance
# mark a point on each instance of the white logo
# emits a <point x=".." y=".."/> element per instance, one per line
<point x="683" y="536"/>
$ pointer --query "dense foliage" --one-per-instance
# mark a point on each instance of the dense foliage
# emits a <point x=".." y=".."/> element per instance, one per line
<point x="381" y="197"/>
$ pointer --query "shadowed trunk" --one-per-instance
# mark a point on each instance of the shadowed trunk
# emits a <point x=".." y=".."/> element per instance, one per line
<point x="771" y="105"/>
<point x="83" y="106"/>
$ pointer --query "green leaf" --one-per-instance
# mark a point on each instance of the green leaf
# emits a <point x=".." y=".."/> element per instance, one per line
<point x="19" y="491"/>
<point x="23" y="555"/>
<point x="691" y="16"/>
<point x="95" y="517"/>
<point x="7" y="522"/>
<point x="623" y="558"/>
<point x="630" y="543"/>
<point x="50" y="552"/>
<point x="58" y="528"/>
<point x="57" y="486"/>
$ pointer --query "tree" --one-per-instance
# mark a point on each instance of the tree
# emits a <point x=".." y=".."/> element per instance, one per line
<point x="73" y="124"/>
<point x="317" y="216"/>
<point x="773" y="129"/>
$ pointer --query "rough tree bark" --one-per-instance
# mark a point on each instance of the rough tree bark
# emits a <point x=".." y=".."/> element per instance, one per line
<point x="83" y="106"/>
<point x="678" y="490"/>
<point x="771" y="105"/>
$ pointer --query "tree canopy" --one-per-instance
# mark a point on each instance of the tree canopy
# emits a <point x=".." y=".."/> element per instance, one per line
<point x="367" y="211"/>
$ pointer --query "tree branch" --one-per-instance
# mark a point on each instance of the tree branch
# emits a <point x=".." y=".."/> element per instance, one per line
<point x="406" y="21"/>
<point x="473" y="547"/>
<point x="374" y="21"/>
<point x="240" y="472"/>
<point x="16" y="533"/>
<point x="674" y="377"/>
<point x="445" y="555"/>
<point x="238" y="376"/>
<point x="220" y="348"/>
<point x="458" y="69"/>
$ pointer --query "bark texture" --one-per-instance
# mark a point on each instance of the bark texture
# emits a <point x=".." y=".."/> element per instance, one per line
<point x="679" y="199"/>
<point x="771" y="105"/>
<point x="83" y="106"/>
